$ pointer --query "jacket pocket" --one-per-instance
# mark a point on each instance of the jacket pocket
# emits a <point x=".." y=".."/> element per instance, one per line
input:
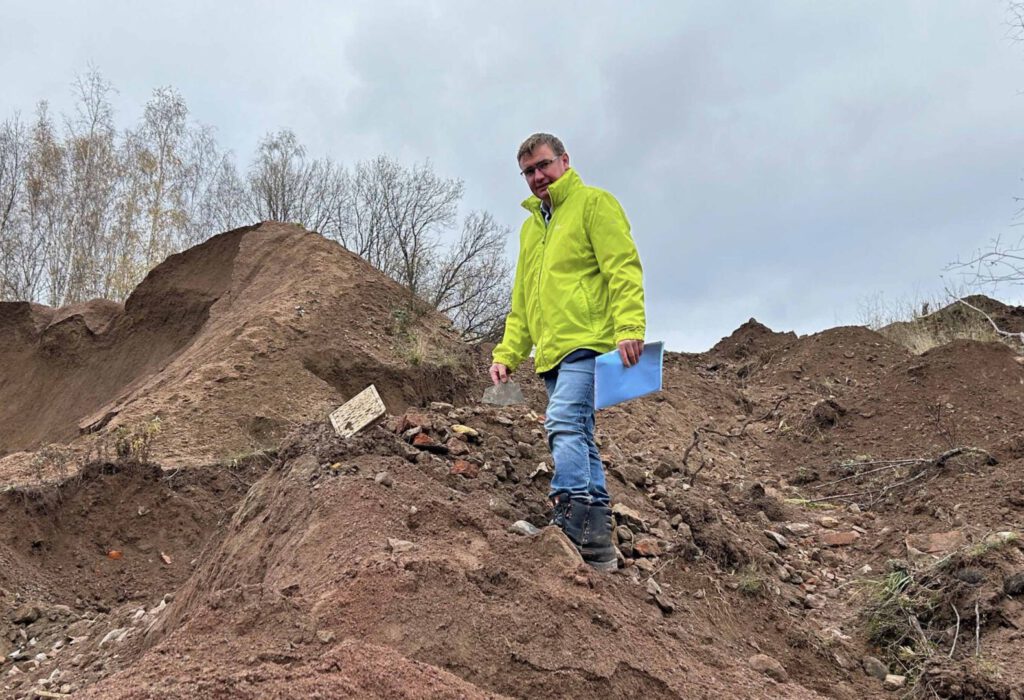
<point x="587" y="306"/>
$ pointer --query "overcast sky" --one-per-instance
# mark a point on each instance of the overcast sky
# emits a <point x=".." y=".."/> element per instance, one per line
<point x="778" y="160"/>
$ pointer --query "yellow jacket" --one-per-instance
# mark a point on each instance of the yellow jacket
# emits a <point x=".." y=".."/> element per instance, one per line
<point x="579" y="282"/>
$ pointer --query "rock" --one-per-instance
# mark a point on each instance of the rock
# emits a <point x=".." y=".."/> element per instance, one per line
<point x="325" y="636"/>
<point x="645" y="565"/>
<point x="425" y="442"/>
<point x="413" y="419"/>
<point x="624" y="515"/>
<point x="440" y="406"/>
<point x="542" y="470"/>
<point x="631" y="474"/>
<point x="25" y="614"/>
<point x="552" y="544"/>
<point x="457" y="447"/>
<point x="875" y="668"/>
<point x="624" y="533"/>
<point x="465" y="469"/>
<point x="652" y="587"/>
<point x="839" y="539"/>
<point x="465" y="431"/>
<point x="762" y="663"/>
<point x="666" y="605"/>
<point x="894" y="682"/>
<point x="647" y="547"/>
<point x="815" y="601"/>
<point x="664" y="470"/>
<point x="1000" y="538"/>
<point x="777" y="539"/>
<point x="398" y="546"/>
<point x="827" y="521"/>
<point x="798" y="529"/>
<point x="384" y="479"/>
<point x="937" y="542"/>
<point x="521" y="527"/>
<point x="115" y="635"/>
<point x="1014" y="585"/>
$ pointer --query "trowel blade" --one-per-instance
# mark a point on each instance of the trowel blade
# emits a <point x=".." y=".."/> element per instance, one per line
<point x="503" y="394"/>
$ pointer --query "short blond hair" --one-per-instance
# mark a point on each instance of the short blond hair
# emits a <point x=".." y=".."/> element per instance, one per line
<point x="537" y="140"/>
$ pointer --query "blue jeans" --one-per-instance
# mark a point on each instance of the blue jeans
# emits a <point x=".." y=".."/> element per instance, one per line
<point x="579" y="472"/>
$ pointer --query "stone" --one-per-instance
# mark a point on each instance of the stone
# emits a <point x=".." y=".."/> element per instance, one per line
<point x="384" y="479"/>
<point x="397" y="546"/>
<point x="665" y="603"/>
<point x="1014" y="585"/>
<point x="115" y="635"/>
<point x="894" y="682"/>
<point x="874" y="667"/>
<point x="762" y="663"/>
<point x="624" y="515"/>
<point x="647" y="547"/>
<point x="457" y="448"/>
<point x="465" y="469"/>
<point x="777" y="539"/>
<point x="631" y="474"/>
<point x="798" y="529"/>
<point x="645" y="565"/>
<point x="815" y="601"/>
<point x="652" y="587"/>
<point x="552" y="544"/>
<point x="936" y="542"/>
<point x="25" y="614"/>
<point x="465" y="431"/>
<point x="414" y="419"/>
<point x="839" y="539"/>
<point x="521" y="527"/>
<point x="1000" y="538"/>
<point x="325" y="636"/>
<point x="427" y="443"/>
<point x="827" y="521"/>
<point x="542" y="470"/>
<point x="624" y="533"/>
<point x="440" y="406"/>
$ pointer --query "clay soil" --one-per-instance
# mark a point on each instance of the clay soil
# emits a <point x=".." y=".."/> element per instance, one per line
<point x="178" y="520"/>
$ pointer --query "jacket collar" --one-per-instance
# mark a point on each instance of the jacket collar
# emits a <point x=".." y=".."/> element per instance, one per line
<point x="559" y="190"/>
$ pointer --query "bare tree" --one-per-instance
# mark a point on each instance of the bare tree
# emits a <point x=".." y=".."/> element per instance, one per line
<point x="14" y="148"/>
<point x="86" y="212"/>
<point x="284" y="186"/>
<point x="471" y="283"/>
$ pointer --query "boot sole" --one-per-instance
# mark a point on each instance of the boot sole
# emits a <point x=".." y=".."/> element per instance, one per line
<point x="612" y="565"/>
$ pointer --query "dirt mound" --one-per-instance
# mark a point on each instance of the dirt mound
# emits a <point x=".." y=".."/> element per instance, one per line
<point x="752" y="339"/>
<point x="229" y="344"/>
<point x="824" y="516"/>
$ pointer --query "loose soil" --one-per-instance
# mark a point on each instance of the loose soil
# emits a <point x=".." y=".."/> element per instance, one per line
<point x="179" y="520"/>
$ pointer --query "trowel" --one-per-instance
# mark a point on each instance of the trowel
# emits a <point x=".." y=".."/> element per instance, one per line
<point x="503" y="394"/>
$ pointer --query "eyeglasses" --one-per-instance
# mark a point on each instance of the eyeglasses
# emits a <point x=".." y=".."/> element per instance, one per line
<point x="542" y="165"/>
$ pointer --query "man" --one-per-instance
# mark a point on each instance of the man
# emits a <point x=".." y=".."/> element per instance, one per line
<point x="578" y="292"/>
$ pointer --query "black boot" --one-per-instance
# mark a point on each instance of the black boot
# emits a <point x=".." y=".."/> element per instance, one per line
<point x="589" y="527"/>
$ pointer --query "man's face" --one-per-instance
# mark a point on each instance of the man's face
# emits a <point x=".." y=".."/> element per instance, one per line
<point x="542" y="167"/>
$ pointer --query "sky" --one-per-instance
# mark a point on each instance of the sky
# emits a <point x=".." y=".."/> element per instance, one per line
<point x="797" y="162"/>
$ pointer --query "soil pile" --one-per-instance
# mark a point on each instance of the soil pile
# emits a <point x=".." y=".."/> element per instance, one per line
<point x="228" y="344"/>
<point x="825" y="516"/>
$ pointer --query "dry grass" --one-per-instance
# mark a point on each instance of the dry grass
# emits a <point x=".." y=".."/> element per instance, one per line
<point x="923" y="334"/>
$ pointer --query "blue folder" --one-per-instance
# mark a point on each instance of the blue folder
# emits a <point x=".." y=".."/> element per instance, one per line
<point x="615" y="383"/>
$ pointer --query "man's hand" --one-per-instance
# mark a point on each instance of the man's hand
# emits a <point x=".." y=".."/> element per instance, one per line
<point x="499" y="373"/>
<point x="629" y="351"/>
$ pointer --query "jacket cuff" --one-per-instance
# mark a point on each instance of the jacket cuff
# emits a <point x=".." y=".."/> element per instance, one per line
<point x="629" y="333"/>
<point x="508" y="360"/>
